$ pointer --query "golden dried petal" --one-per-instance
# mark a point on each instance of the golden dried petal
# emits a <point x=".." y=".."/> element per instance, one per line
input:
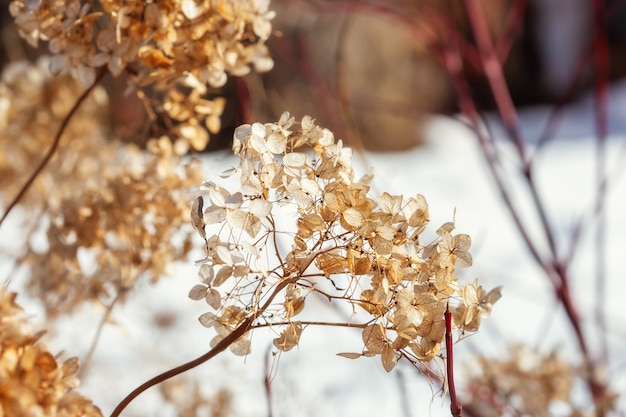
<point x="350" y="355"/>
<point x="362" y="266"/>
<point x="353" y="217"/>
<point x="390" y="204"/>
<point x="289" y="338"/>
<point x="374" y="337"/>
<point x="154" y="58"/>
<point x="389" y="358"/>
<point x="331" y="263"/>
<point x="309" y="224"/>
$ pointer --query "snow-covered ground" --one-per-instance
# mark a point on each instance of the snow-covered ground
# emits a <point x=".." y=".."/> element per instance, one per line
<point x="311" y="381"/>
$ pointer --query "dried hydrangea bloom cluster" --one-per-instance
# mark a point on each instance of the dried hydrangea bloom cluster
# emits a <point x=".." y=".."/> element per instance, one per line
<point x="109" y="203"/>
<point x="32" y="105"/>
<point x="32" y="382"/>
<point x="132" y="223"/>
<point x="179" y="48"/>
<point x="344" y="245"/>
<point x="526" y="383"/>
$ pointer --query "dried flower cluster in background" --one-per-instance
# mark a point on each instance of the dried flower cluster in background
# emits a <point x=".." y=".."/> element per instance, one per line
<point x="32" y="105"/>
<point x="186" y="396"/>
<point x="342" y="244"/>
<point x="526" y="383"/>
<point x="32" y="381"/>
<point x="111" y="212"/>
<point x="175" y="53"/>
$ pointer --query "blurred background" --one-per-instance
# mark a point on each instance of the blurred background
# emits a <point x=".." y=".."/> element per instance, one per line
<point x="369" y="70"/>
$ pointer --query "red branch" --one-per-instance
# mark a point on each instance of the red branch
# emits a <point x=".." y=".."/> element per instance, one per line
<point x="455" y="407"/>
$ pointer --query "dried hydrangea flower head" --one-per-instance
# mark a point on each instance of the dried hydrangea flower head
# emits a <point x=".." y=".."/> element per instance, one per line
<point x="32" y="382"/>
<point x="35" y="104"/>
<point x="175" y="45"/>
<point x="343" y="244"/>
<point x="120" y="206"/>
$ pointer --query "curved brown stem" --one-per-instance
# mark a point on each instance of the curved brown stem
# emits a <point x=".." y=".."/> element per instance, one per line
<point x="55" y="145"/>
<point x="223" y="344"/>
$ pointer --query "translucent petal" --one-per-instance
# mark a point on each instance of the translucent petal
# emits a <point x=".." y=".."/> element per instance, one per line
<point x="353" y="217"/>
<point x="198" y="292"/>
<point x="260" y="208"/>
<point x="224" y="254"/>
<point x="213" y="298"/>
<point x="389" y="358"/>
<point x="295" y="159"/>
<point x="208" y="319"/>
<point x="276" y="143"/>
<point x="206" y="273"/>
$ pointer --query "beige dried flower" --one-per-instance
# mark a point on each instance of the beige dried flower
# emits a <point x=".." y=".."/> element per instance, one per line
<point x="344" y="244"/>
<point x="32" y="381"/>
<point x="112" y="204"/>
<point x="527" y="382"/>
<point x="160" y="45"/>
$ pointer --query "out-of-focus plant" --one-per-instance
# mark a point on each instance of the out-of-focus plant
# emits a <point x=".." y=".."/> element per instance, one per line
<point x="33" y="382"/>
<point x="101" y="200"/>
<point x="179" y="50"/>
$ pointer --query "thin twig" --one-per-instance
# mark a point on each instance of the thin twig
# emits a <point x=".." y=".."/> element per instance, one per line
<point x="92" y="349"/>
<point x="554" y="269"/>
<point x="512" y="24"/>
<point x="55" y="144"/>
<point x="267" y="381"/>
<point x="492" y="68"/>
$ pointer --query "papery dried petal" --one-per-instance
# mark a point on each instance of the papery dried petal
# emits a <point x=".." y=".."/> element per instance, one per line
<point x="289" y="338"/>
<point x="198" y="292"/>
<point x="208" y="319"/>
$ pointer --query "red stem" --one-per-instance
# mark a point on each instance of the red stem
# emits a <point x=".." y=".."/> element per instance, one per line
<point x="455" y="407"/>
<point x="243" y="97"/>
<point x="493" y="71"/>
